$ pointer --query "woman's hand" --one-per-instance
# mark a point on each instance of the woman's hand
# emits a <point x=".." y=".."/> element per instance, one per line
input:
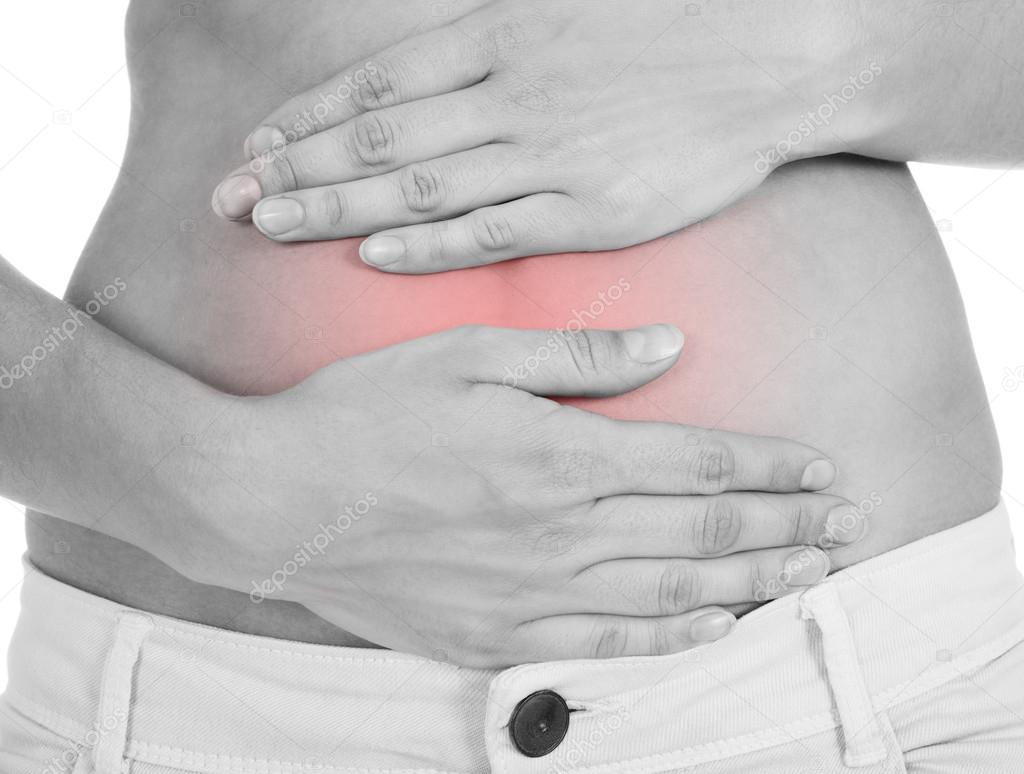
<point x="423" y="498"/>
<point x="538" y="127"/>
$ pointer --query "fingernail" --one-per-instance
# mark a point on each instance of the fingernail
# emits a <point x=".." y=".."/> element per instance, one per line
<point x="278" y="216"/>
<point x="818" y="475"/>
<point x="262" y="139"/>
<point x="236" y="196"/>
<point x="844" y="525"/>
<point x="381" y="250"/>
<point x="652" y="343"/>
<point x="807" y="566"/>
<point x="711" y="626"/>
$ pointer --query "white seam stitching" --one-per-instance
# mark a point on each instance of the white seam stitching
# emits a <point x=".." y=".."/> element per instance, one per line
<point x="997" y="647"/>
<point x="161" y="754"/>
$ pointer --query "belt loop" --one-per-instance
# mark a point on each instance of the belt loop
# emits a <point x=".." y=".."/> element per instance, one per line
<point x="862" y="731"/>
<point x="111" y="729"/>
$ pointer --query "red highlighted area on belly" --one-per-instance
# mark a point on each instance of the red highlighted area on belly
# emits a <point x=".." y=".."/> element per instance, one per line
<point x="338" y="307"/>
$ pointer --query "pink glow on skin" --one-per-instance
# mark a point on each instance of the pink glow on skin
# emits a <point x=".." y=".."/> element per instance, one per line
<point x="351" y="308"/>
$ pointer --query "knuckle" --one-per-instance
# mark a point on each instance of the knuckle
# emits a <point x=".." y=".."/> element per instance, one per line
<point x="423" y="188"/>
<point x="372" y="140"/>
<point x="659" y="640"/>
<point x="555" y="535"/>
<point x="536" y="95"/>
<point x="491" y="231"/>
<point x="718" y="528"/>
<point x="379" y="89"/>
<point x="609" y="640"/>
<point x="763" y="586"/>
<point x="679" y="589"/>
<point x="714" y="467"/>
<point x="802" y="521"/>
<point x="437" y="244"/>
<point x="572" y="468"/>
<point x="779" y="471"/>
<point x="283" y="170"/>
<point x="506" y="34"/>
<point x="612" y="198"/>
<point x="331" y="206"/>
<point x="582" y="346"/>
<point x="558" y="149"/>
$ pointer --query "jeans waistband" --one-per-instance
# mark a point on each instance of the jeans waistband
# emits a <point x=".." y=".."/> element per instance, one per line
<point x="134" y="685"/>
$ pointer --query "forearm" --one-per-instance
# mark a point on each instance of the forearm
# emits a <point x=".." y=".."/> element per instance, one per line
<point x="93" y="428"/>
<point x="949" y="85"/>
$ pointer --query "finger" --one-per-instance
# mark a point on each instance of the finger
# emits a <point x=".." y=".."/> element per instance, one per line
<point x="436" y="62"/>
<point x="671" y="459"/>
<point x="638" y="526"/>
<point x="610" y="636"/>
<point x="584" y="362"/>
<point x="368" y="145"/>
<point x="417" y="193"/>
<point x="535" y="225"/>
<point x="659" y="587"/>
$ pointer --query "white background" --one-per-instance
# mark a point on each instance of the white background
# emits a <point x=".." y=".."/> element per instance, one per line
<point x="64" y="93"/>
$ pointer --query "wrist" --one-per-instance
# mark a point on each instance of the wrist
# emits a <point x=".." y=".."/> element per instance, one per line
<point x="829" y="76"/>
<point x="866" y="92"/>
<point x="194" y="513"/>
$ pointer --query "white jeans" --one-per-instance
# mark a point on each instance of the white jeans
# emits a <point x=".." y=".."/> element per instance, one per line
<point x="911" y="661"/>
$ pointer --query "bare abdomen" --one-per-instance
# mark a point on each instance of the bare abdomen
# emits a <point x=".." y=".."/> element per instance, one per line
<point x="821" y="308"/>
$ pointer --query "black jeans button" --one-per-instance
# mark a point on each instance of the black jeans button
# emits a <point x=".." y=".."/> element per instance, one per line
<point x="539" y="723"/>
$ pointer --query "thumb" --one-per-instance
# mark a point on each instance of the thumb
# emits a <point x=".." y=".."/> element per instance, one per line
<point x="583" y="363"/>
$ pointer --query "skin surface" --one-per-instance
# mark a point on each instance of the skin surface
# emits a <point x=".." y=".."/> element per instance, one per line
<point x="820" y="308"/>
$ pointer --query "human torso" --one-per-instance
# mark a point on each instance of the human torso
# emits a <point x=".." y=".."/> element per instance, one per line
<point x="821" y="308"/>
